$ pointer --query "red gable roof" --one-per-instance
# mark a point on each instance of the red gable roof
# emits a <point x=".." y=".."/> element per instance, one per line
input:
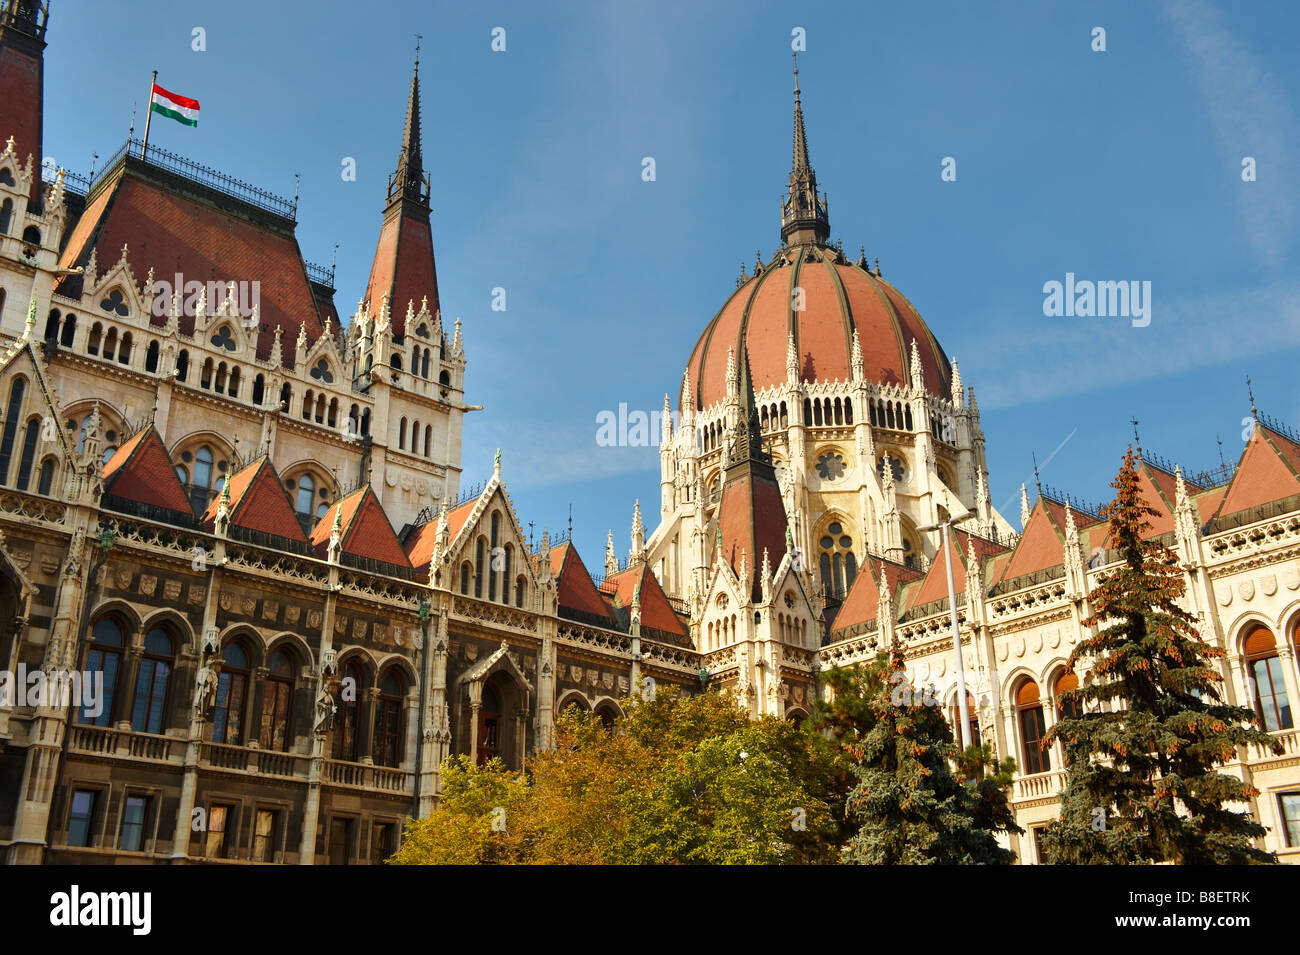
<point x="751" y="516"/>
<point x="656" y="612"/>
<point x="181" y="228"/>
<point x="1041" y="544"/>
<point x="862" y="602"/>
<point x="419" y="546"/>
<point x="574" y="587"/>
<point x="935" y="585"/>
<point x="259" y="503"/>
<point x="366" y="530"/>
<point x="141" y="471"/>
<point x="403" y="268"/>
<point x="1263" y="475"/>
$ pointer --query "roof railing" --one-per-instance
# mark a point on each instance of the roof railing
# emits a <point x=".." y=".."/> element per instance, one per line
<point x="320" y="275"/>
<point x="201" y="174"/>
<point x="1274" y="425"/>
<point x="1075" y="503"/>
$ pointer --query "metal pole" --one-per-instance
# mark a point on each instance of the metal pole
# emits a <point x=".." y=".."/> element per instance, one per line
<point x="963" y="711"/>
<point x="148" y="116"/>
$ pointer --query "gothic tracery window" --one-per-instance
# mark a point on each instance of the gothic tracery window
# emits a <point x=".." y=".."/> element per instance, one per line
<point x="838" y="564"/>
<point x="830" y="466"/>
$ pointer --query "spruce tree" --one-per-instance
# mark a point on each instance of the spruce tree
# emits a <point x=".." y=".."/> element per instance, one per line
<point x="911" y="809"/>
<point x="1141" y="784"/>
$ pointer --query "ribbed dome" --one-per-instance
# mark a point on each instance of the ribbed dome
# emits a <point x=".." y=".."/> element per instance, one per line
<point x="838" y="297"/>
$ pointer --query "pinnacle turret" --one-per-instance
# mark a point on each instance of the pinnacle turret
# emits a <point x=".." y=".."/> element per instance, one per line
<point x="804" y="217"/>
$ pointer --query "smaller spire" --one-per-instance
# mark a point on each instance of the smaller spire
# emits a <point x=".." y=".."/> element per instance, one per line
<point x="918" y="377"/>
<point x="277" y="351"/>
<point x="733" y="376"/>
<point x="958" y="393"/>
<point x="611" y="558"/>
<point x="791" y="358"/>
<point x="1024" y="506"/>
<point x="638" y="536"/>
<point x="855" y="360"/>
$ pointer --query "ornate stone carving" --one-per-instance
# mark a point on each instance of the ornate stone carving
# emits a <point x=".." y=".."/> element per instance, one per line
<point x="148" y="583"/>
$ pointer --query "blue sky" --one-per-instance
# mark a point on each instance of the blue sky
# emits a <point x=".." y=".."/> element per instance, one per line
<point x="1117" y="165"/>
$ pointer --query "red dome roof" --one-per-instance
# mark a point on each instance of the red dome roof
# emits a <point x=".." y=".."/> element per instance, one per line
<point x="839" y="297"/>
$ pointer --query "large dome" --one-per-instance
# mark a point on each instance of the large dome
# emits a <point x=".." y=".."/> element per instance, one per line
<point x="838" y="297"/>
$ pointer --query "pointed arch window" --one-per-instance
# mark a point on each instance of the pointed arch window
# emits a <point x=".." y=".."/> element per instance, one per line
<point x="345" y="723"/>
<point x="388" y="720"/>
<point x="13" y="412"/>
<point x="277" y="703"/>
<point x="306" y="494"/>
<point x="839" y="565"/>
<point x="69" y="330"/>
<point x="149" y="711"/>
<point x="232" y="692"/>
<point x="46" y="480"/>
<point x="28" y="457"/>
<point x="105" y="656"/>
<point x="478" y="567"/>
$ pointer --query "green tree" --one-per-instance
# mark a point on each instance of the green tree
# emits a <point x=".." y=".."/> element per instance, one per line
<point x="909" y="805"/>
<point x="1141" y="783"/>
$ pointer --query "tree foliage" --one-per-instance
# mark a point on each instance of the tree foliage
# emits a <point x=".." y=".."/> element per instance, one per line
<point x="910" y="806"/>
<point x="1141" y="781"/>
<point x="675" y="780"/>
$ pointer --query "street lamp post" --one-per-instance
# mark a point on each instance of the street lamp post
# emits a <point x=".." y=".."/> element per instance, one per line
<point x="963" y="712"/>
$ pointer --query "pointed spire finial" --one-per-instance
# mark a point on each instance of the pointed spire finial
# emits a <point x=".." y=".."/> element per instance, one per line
<point x="804" y="219"/>
<point x="1250" y="390"/>
<point x="1024" y="506"/>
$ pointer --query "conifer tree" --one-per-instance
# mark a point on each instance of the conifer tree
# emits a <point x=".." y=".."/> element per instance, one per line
<point x="1141" y="782"/>
<point x="910" y="807"/>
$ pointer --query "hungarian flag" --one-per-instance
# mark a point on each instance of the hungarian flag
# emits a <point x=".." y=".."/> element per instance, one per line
<point x="180" y="108"/>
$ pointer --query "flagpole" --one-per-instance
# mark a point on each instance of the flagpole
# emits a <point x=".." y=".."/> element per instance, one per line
<point x="148" y="114"/>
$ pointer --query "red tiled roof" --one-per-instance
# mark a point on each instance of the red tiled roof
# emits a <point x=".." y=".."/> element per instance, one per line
<point x="656" y="612"/>
<point x="20" y="107"/>
<point x="1263" y="475"/>
<point x="574" y="587"/>
<point x="935" y="585"/>
<point x="403" y="268"/>
<point x="838" y="299"/>
<point x="258" y="502"/>
<point x="141" y="471"/>
<point x="172" y="233"/>
<point x="366" y="530"/>
<point x="1041" y="544"/>
<point x="751" y="516"/>
<point x="419" y="546"/>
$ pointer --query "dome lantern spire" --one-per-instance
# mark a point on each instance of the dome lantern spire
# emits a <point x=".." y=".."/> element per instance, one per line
<point x="804" y="218"/>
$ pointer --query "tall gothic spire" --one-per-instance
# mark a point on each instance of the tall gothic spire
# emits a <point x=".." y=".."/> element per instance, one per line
<point x="804" y="218"/>
<point x="409" y="181"/>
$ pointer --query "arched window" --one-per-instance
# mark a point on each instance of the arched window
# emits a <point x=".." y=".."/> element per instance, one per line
<point x="464" y="578"/>
<point x="28" y="457"/>
<point x="105" y="655"/>
<point x="13" y="413"/>
<point x="277" y="703"/>
<point x="259" y="389"/>
<point x="1029" y="713"/>
<point x="6" y="215"/>
<point x="233" y="390"/>
<point x="232" y="692"/>
<point x="124" y="351"/>
<point x="183" y="365"/>
<point x="396" y="361"/>
<point x="151" y="358"/>
<point x="1067" y="710"/>
<point x="307" y="405"/>
<point x="51" y="323"/>
<point x="203" y="469"/>
<point x="388" y="721"/>
<point x="489" y="725"/>
<point x="345" y="722"/>
<point x="478" y="567"/>
<point x="286" y="396"/>
<point x="69" y="330"/>
<point x="428" y="438"/>
<point x="838" y="563"/>
<point x="46" y="480"/>
<point x="492" y="575"/>
<point x="1267" y="680"/>
<point x="444" y="378"/>
<point x="424" y="365"/>
<point x="415" y="436"/>
<point x="401" y="435"/>
<point x="519" y="592"/>
<point x="365" y="421"/>
<point x="149" y="711"/>
<point x="506" y="574"/>
<point x="306" y="494"/>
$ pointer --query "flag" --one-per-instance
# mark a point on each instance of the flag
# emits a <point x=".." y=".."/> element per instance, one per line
<point x="180" y="108"/>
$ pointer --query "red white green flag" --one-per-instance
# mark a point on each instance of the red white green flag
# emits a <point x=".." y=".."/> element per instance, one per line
<point x="180" y="108"/>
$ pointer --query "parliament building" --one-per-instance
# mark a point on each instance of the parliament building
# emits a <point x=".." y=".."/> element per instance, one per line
<point x="244" y="514"/>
